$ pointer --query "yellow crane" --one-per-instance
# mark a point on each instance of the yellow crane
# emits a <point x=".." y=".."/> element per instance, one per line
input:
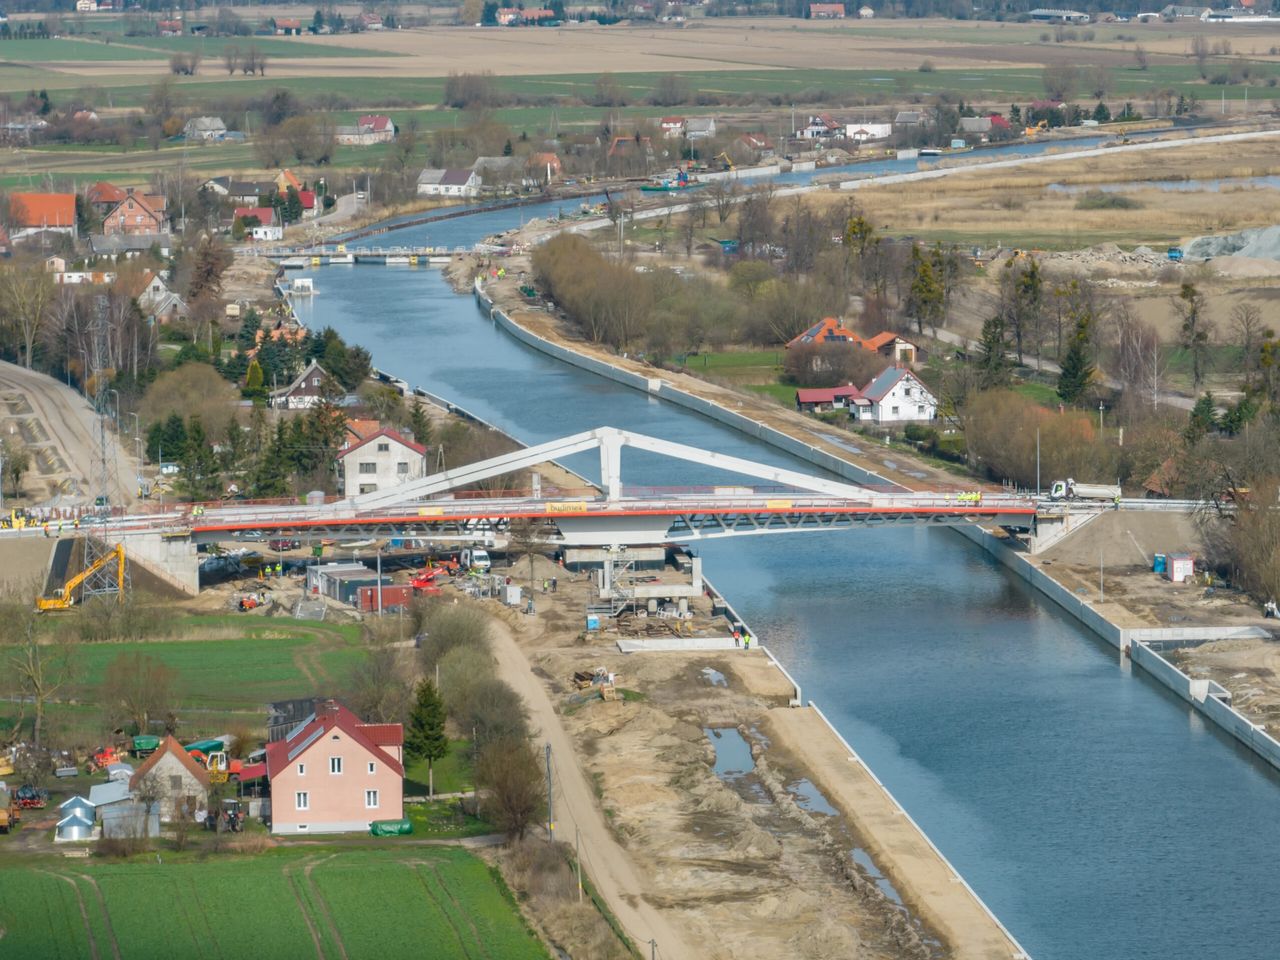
<point x="64" y="596"/>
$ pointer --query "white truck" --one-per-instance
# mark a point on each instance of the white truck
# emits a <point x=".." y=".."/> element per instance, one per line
<point x="476" y="558"/>
<point x="1070" y="490"/>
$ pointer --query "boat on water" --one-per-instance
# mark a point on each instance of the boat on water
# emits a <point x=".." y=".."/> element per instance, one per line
<point x="342" y="258"/>
<point x="674" y="184"/>
<point x="294" y="263"/>
<point x="400" y="260"/>
<point x="302" y="287"/>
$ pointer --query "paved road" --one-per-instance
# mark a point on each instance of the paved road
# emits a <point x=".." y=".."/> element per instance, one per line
<point x="68" y="429"/>
<point x="609" y="866"/>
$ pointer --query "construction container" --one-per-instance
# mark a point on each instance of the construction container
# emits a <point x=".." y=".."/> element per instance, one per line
<point x="318" y="575"/>
<point x="511" y="595"/>
<point x="1182" y="567"/>
<point x="578" y="559"/>
<point x="393" y="597"/>
<point x="593" y="622"/>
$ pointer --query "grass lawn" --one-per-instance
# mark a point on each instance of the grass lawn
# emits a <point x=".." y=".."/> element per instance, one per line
<point x="784" y="393"/>
<point x="382" y="903"/>
<point x="444" y="820"/>
<point x="1041" y="393"/>
<point x="452" y="774"/>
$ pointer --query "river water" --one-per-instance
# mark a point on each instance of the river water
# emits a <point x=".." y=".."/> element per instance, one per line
<point x="1093" y="812"/>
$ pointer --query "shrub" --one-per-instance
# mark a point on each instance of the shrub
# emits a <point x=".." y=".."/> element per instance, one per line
<point x="1102" y="200"/>
<point x="926" y="66"/>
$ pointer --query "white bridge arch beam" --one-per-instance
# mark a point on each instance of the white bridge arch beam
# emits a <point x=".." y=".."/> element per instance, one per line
<point x="609" y="441"/>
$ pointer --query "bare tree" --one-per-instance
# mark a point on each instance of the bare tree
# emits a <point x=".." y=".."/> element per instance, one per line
<point x="1200" y="53"/>
<point x="230" y="58"/>
<point x="1197" y="331"/>
<point x="723" y="193"/>
<point x="1140" y="59"/>
<point x="26" y="293"/>
<point x="511" y="776"/>
<point x="135" y="688"/>
<point x="1249" y="330"/>
<point x="380" y="686"/>
<point x="39" y="665"/>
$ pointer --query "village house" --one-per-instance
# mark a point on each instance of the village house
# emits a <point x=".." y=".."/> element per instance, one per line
<point x="334" y="774"/>
<point x="976" y="126"/>
<point x="826" y="330"/>
<point x="370" y="21"/>
<point x="156" y="300"/>
<point x="131" y="245"/>
<point x="908" y="118"/>
<point x="820" y="127"/>
<point x="826" y="11"/>
<point x="818" y="400"/>
<point x="866" y="13"/>
<point x="896" y="396"/>
<point x="862" y="132"/>
<point x="288" y="26"/>
<point x="135" y="214"/>
<point x="102" y="196"/>
<point x="672" y="127"/>
<point x="381" y="460"/>
<point x="368" y="130"/>
<point x="544" y="167"/>
<point x="34" y="213"/>
<point x="205" y="128"/>
<point x="169" y="28"/>
<point x="286" y="179"/>
<point x="700" y="128"/>
<point x="305" y="391"/>
<point x="260" y="223"/>
<point x="85" y="116"/>
<point x="86" y="6"/>
<point x="898" y="349"/>
<point x="448" y="183"/>
<point x="182" y="783"/>
<point x="750" y="147"/>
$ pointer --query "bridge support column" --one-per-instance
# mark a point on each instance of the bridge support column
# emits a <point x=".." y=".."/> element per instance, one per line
<point x="611" y="464"/>
<point x="171" y="559"/>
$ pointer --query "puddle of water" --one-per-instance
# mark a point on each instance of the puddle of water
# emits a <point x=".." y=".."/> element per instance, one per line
<point x="891" y="464"/>
<point x="733" y="753"/>
<point x="715" y="677"/>
<point x="863" y="859"/>
<point x="810" y="798"/>
<point x="841" y="442"/>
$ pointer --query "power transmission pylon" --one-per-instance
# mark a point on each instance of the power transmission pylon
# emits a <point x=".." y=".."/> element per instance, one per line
<point x="105" y="480"/>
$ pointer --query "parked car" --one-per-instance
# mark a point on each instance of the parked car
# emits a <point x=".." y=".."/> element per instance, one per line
<point x="280" y="544"/>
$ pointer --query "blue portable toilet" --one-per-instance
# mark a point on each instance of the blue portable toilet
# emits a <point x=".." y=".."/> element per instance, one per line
<point x="1160" y="564"/>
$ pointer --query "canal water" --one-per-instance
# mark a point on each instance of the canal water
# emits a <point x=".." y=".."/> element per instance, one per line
<point x="1095" y="814"/>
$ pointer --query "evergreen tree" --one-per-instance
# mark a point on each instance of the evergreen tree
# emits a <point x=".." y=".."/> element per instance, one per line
<point x="419" y="423"/>
<point x="200" y="478"/>
<point x="1203" y="417"/>
<point x="292" y="206"/>
<point x="925" y="296"/>
<point x="993" y="360"/>
<point x="1077" y="368"/>
<point x="271" y="477"/>
<point x="424" y="738"/>
<point x="235" y="449"/>
<point x="253" y="389"/>
<point x="1101" y="113"/>
<point x="167" y="439"/>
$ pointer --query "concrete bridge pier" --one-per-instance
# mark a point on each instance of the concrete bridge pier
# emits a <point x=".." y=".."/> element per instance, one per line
<point x="171" y="559"/>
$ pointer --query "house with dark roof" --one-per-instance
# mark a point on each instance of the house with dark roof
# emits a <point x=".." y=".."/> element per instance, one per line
<point x="333" y="773"/>
<point x="380" y="461"/>
<point x="448" y="183"/>
<point x="183" y="784"/>
<point x="305" y="391"/>
<point x="204" y="128"/>
<point x="820" y="127"/>
<point x="896" y="396"/>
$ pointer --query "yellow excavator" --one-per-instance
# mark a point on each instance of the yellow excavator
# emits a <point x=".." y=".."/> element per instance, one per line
<point x="724" y="159"/>
<point x="64" y="596"/>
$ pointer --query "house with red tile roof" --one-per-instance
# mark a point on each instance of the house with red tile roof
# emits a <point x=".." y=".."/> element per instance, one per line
<point x="830" y="398"/>
<point x="286" y="179"/>
<point x="134" y="214"/>
<point x="672" y="127"/>
<point x="898" y="349"/>
<point x="380" y="461"/>
<point x="334" y="774"/>
<point x="826" y="11"/>
<point x="183" y="784"/>
<point x="102" y="196"/>
<point x="266" y="216"/>
<point x="288" y="26"/>
<point x="33" y="213"/>
<point x="827" y="330"/>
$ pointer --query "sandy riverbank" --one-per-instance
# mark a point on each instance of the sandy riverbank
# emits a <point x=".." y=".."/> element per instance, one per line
<point x="756" y="864"/>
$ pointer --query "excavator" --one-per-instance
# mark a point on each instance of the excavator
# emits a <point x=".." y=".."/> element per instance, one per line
<point x="725" y="159"/>
<point x="64" y="597"/>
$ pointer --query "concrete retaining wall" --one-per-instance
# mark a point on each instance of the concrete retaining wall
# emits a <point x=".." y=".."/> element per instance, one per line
<point x="172" y="560"/>
<point x="664" y="390"/>
<point x="1209" y="698"/>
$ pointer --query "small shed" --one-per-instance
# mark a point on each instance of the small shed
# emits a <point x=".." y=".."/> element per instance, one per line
<point x="130" y="820"/>
<point x="1181" y="567"/>
<point x="119" y="772"/>
<point x="74" y="826"/>
<point x="103" y="795"/>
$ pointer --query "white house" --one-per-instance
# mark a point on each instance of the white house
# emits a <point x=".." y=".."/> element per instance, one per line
<point x="267" y="231"/>
<point x="700" y="128"/>
<point x="865" y="13"/>
<point x="861" y="132"/>
<point x="305" y="392"/>
<point x="820" y="127"/>
<point x="897" y="396"/>
<point x="448" y="183"/>
<point x="204" y="128"/>
<point x="380" y="461"/>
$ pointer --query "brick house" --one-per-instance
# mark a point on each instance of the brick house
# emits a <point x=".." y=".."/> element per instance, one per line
<point x="134" y="214"/>
<point x="334" y="774"/>
<point x="183" y="783"/>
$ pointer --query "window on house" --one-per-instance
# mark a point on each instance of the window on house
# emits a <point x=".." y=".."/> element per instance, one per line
<point x="368" y="487"/>
<point x="175" y="783"/>
<point x="372" y="767"/>
<point x="302" y="800"/>
<point x="315" y="381"/>
<point x="371" y="799"/>
<point x="894" y="411"/>
<point x="335" y="764"/>
<point x="402" y="468"/>
<point x="384" y="448"/>
<point x="920" y="409"/>
<point x="368" y="468"/>
<point x="302" y="769"/>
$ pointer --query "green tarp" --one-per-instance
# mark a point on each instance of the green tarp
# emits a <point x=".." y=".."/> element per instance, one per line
<point x="391" y="828"/>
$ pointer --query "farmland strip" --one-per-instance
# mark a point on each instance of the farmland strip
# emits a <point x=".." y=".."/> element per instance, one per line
<point x="324" y="905"/>
<point x="106" y="916"/>
<point x="306" y="914"/>
<point x="84" y="914"/>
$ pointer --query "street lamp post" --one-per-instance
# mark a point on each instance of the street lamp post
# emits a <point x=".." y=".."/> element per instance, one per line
<point x="117" y="414"/>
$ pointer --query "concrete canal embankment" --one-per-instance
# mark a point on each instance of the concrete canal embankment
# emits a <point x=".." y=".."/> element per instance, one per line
<point x="1141" y="644"/>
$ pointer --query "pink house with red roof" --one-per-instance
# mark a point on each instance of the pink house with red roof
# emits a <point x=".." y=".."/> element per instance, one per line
<point x="336" y="774"/>
<point x="380" y="461"/>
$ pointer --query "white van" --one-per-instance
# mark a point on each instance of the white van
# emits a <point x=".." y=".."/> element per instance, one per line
<point x="476" y="558"/>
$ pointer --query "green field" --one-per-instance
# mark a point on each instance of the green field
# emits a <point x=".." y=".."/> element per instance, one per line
<point x="326" y="903"/>
<point x="63" y="50"/>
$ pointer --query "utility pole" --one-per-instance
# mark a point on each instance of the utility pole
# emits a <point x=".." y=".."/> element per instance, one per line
<point x="379" y="579"/>
<point x="1037" y="462"/>
<point x="551" y="820"/>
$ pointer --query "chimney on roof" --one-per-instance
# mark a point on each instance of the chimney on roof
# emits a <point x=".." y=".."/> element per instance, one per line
<point x="326" y="708"/>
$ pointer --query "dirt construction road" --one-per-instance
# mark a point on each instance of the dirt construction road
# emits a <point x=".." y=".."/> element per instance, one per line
<point x="58" y="427"/>
<point x="610" y="869"/>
